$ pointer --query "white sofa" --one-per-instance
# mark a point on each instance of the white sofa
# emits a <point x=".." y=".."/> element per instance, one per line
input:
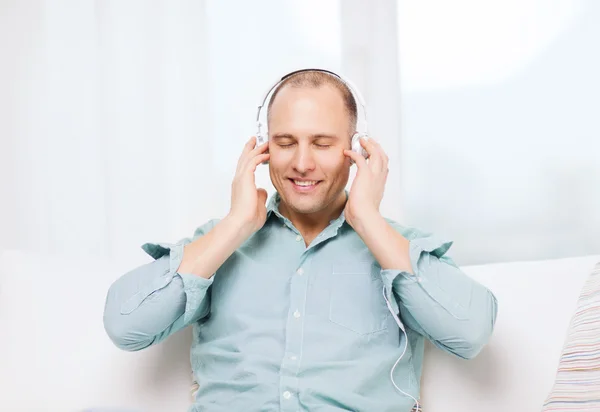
<point x="55" y="355"/>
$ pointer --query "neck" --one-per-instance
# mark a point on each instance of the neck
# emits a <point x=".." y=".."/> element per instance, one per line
<point x="311" y="224"/>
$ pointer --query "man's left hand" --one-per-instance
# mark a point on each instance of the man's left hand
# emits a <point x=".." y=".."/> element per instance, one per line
<point x="368" y="185"/>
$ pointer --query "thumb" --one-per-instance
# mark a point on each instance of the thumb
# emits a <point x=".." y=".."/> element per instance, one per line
<point x="262" y="195"/>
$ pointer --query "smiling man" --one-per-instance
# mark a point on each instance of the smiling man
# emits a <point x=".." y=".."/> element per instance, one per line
<point x="312" y="301"/>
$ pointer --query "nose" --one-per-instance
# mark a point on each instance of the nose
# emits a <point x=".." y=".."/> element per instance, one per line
<point x="303" y="159"/>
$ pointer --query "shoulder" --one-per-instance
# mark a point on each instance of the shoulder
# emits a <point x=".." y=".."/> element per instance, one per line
<point x="159" y="249"/>
<point x="409" y="232"/>
<point x="423" y="241"/>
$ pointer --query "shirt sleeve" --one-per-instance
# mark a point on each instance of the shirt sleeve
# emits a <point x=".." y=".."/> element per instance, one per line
<point x="194" y="287"/>
<point x="438" y="300"/>
<point x="153" y="301"/>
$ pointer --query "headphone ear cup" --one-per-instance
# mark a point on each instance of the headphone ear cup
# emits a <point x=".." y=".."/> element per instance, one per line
<point x="260" y="139"/>
<point x="356" y="146"/>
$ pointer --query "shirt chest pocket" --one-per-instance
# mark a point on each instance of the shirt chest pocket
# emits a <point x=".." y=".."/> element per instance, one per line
<point x="356" y="298"/>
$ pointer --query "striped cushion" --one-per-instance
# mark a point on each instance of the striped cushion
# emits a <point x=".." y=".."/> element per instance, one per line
<point x="577" y="384"/>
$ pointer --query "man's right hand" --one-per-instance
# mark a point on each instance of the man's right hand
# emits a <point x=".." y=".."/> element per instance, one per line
<point x="247" y="202"/>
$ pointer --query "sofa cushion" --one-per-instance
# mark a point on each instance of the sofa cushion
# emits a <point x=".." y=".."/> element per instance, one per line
<point x="516" y="370"/>
<point x="55" y="354"/>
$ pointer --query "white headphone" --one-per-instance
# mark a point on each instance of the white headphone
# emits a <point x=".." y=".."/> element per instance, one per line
<point x="262" y="134"/>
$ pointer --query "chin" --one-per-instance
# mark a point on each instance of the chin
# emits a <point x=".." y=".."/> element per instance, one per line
<point x="302" y="203"/>
<point x="307" y="209"/>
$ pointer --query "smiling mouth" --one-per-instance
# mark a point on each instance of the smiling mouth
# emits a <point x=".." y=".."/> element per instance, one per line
<point x="305" y="184"/>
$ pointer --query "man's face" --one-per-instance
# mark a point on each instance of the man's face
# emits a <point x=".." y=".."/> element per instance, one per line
<point x="308" y="131"/>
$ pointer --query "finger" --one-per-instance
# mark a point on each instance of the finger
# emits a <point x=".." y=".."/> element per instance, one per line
<point x="358" y="158"/>
<point x="251" y="165"/>
<point x="250" y="152"/>
<point x="247" y="149"/>
<point x="262" y="195"/>
<point x="370" y="145"/>
<point x="379" y="160"/>
<point x="377" y="146"/>
<point x="372" y="148"/>
<point x="255" y="161"/>
<point x="383" y="156"/>
<point x="249" y="146"/>
<point x="250" y="143"/>
<point x="367" y="143"/>
<point x="247" y="156"/>
<point x="259" y="149"/>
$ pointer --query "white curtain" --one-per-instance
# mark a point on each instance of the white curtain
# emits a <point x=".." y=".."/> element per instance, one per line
<point x="122" y="121"/>
<point x="104" y="123"/>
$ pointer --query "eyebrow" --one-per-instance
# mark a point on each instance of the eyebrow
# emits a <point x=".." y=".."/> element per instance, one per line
<point x="312" y="136"/>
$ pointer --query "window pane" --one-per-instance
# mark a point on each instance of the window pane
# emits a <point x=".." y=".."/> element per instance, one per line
<point x="500" y="126"/>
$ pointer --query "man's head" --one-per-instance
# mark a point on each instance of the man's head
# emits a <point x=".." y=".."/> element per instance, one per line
<point x="311" y="120"/>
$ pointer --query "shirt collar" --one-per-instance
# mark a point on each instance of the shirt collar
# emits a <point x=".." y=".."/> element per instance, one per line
<point x="273" y="203"/>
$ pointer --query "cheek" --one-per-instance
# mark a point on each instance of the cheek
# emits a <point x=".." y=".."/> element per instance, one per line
<point x="334" y="162"/>
<point x="278" y="163"/>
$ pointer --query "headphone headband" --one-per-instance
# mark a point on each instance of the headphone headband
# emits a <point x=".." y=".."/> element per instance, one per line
<point x="361" y="121"/>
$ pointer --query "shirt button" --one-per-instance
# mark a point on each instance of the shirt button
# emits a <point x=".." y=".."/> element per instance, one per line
<point x="287" y="395"/>
<point x="298" y="238"/>
<point x="300" y="271"/>
<point x="296" y="314"/>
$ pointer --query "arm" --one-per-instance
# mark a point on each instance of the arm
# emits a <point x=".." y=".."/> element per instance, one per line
<point x="434" y="297"/>
<point x="150" y="303"/>
<point x="153" y="301"/>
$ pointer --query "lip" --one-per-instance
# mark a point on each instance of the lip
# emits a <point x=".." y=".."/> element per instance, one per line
<point x="304" y="189"/>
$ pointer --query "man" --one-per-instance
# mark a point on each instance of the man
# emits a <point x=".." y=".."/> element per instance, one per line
<point x="288" y="299"/>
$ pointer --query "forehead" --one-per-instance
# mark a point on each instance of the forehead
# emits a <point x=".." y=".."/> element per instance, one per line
<point x="324" y="104"/>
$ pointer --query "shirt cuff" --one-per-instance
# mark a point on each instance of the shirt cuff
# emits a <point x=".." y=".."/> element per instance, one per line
<point x="157" y="251"/>
<point x="420" y="251"/>
<point x="195" y="287"/>
<point x="175" y="253"/>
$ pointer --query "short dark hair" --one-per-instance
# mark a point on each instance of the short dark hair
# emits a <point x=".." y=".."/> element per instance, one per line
<point x="316" y="79"/>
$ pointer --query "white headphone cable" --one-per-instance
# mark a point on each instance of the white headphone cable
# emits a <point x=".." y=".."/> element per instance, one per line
<point x="401" y="326"/>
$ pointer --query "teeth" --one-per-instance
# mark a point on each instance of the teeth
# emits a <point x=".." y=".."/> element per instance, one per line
<point x="305" y="182"/>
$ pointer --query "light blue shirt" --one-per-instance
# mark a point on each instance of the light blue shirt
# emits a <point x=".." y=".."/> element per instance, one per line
<point x="282" y="326"/>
